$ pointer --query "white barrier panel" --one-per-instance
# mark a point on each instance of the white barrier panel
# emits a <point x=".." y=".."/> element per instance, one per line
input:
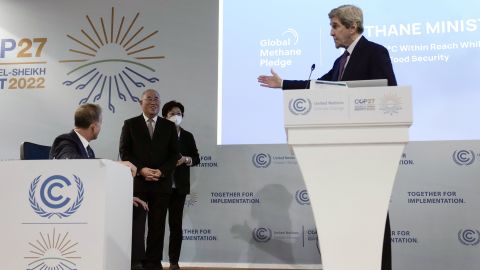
<point x="435" y="206"/>
<point x="65" y="214"/>
<point x="249" y="207"/>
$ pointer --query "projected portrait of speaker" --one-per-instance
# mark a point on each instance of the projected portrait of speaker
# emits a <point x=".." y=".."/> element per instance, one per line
<point x="361" y="59"/>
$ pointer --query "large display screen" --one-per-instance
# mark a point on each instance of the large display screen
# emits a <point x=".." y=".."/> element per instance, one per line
<point x="435" y="49"/>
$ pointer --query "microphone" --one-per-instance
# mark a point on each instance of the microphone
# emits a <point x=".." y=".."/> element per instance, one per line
<point x="310" y="75"/>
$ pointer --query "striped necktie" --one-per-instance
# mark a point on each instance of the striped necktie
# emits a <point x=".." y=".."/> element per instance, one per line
<point x="150" y="127"/>
<point x="90" y="153"/>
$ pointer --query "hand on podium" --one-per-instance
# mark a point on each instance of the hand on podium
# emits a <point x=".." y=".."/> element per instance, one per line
<point x="133" y="168"/>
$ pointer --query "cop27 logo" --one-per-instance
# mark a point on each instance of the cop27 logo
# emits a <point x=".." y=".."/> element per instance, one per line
<point x="463" y="157"/>
<point x="261" y="160"/>
<point x="262" y="234"/>
<point x="299" y="106"/>
<point x="55" y="196"/>
<point x="469" y="237"/>
<point x="111" y="58"/>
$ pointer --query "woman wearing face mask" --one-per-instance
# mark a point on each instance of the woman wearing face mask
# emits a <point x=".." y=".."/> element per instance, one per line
<point x="174" y="112"/>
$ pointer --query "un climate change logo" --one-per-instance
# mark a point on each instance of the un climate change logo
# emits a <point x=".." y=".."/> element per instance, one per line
<point x="463" y="157"/>
<point x="55" y="196"/>
<point x="469" y="237"/>
<point x="302" y="197"/>
<point x="261" y="234"/>
<point x="300" y="106"/>
<point x="261" y="160"/>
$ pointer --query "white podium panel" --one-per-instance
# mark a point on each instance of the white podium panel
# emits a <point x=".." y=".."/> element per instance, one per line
<point x="334" y="106"/>
<point x="348" y="142"/>
<point x="65" y="214"/>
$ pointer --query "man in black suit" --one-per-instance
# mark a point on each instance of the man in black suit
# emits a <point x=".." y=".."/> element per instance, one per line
<point x="361" y="60"/>
<point x="75" y="145"/>
<point x="174" y="111"/>
<point x="150" y="143"/>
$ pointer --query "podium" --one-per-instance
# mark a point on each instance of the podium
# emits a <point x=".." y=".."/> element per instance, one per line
<point x="348" y="143"/>
<point x="65" y="214"/>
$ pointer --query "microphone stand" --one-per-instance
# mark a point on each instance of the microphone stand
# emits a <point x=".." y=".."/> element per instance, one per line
<point x="309" y="76"/>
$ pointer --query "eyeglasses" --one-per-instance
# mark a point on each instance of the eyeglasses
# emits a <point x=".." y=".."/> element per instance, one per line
<point x="151" y="100"/>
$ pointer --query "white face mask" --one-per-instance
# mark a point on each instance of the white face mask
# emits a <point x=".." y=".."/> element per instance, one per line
<point x="177" y="119"/>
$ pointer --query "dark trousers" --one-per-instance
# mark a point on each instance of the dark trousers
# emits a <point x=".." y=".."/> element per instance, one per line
<point x="175" y="217"/>
<point x="157" y="204"/>
<point x="387" y="247"/>
<point x="138" y="234"/>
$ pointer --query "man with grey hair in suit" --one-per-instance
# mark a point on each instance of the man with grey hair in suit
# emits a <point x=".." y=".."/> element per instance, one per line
<point x="361" y="60"/>
<point x="150" y="143"/>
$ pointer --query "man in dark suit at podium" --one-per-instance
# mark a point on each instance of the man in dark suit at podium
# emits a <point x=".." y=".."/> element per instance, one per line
<point x="75" y="144"/>
<point x="361" y="60"/>
<point x="150" y="143"/>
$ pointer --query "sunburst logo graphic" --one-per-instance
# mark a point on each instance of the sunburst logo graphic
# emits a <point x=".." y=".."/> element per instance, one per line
<point x="111" y="60"/>
<point x="53" y="252"/>
<point x="390" y="104"/>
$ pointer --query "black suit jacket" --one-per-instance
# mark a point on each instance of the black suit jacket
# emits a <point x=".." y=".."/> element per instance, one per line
<point x="68" y="146"/>
<point x="159" y="152"/>
<point x="187" y="147"/>
<point x="368" y="61"/>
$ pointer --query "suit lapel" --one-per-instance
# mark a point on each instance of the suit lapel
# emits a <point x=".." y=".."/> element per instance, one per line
<point x="79" y="144"/>
<point x="145" y="128"/>
<point x="336" y="69"/>
<point x="142" y="125"/>
<point x="155" y="130"/>
<point x="354" y="59"/>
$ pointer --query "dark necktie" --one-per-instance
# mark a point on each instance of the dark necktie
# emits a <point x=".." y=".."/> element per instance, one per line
<point x="90" y="152"/>
<point x="343" y="61"/>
